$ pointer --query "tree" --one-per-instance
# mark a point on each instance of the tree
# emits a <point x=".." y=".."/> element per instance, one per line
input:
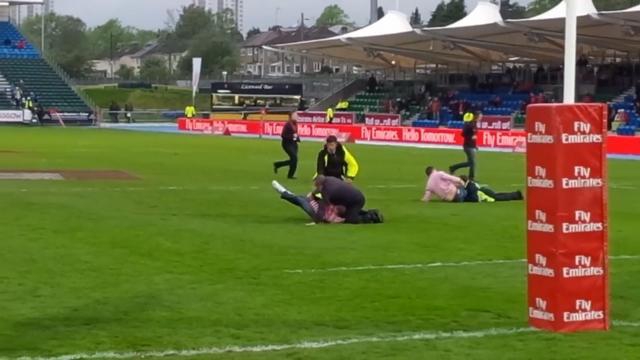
<point x="155" y="70"/>
<point x="125" y="72"/>
<point x="537" y="7"/>
<point x="66" y="41"/>
<point x="380" y="12"/>
<point x="333" y="15"/>
<point x="447" y="13"/>
<point x="253" y="31"/>
<point x="416" y="18"/>
<point x="512" y="10"/>
<point x="608" y="5"/>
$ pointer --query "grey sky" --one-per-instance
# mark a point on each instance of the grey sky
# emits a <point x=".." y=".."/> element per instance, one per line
<point x="152" y="14"/>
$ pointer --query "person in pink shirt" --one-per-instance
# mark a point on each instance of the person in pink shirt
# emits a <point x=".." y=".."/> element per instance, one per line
<point x="444" y="186"/>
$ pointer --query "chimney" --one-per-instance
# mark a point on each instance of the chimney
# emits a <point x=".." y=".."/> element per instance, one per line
<point x="374" y="11"/>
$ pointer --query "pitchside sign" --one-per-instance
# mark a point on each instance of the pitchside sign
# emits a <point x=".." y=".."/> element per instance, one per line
<point x="567" y="217"/>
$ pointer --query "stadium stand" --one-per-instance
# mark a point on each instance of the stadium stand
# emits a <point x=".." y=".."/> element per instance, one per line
<point x="22" y="65"/>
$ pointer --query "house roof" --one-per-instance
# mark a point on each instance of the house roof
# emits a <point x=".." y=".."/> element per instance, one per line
<point x="287" y="35"/>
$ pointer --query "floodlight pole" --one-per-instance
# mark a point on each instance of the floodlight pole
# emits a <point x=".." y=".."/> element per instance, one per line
<point x="42" y="32"/>
<point x="570" y="50"/>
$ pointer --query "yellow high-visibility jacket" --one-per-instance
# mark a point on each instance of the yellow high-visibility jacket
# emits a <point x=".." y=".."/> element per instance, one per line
<point x="347" y="165"/>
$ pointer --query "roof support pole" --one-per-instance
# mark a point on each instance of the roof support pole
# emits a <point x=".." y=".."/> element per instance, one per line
<point x="570" y="50"/>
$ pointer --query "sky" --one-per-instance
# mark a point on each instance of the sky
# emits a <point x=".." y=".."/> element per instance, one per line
<point x="152" y="14"/>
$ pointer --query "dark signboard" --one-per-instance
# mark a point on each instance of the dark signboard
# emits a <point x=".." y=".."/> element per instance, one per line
<point x="244" y="88"/>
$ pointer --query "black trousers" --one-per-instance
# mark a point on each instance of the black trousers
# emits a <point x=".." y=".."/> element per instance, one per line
<point x="470" y="163"/>
<point x="291" y="148"/>
<point x="354" y="210"/>
<point x="512" y="196"/>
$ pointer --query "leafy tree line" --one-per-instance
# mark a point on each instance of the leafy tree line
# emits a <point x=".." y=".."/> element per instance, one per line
<point x="195" y="31"/>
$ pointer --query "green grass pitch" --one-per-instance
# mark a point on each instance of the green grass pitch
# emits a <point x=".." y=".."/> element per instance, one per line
<point x="194" y="255"/>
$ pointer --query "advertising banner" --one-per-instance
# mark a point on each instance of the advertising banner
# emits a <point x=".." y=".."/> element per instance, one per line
<point x="495" y="122"/>
<point x="320" y="117"/>
<point x="379" y="119"/>
<point x="567" y="231"/>
<point x="488" y="140"/>
<point x="11" y="116"/>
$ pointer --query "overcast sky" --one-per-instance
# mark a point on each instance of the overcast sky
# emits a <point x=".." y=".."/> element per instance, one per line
<point x="152" y="14"/>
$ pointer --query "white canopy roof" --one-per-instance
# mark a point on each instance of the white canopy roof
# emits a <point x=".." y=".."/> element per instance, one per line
<point x="483" y="36"/>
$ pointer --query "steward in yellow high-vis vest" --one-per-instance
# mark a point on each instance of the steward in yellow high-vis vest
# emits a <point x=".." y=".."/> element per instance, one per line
<point x="190" y="111"/>
<point x="336" y="161"/>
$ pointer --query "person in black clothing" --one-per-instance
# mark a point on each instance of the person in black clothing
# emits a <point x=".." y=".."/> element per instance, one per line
<point x="290" y="140"/>
<point x="482" y="193"/>
<point x="335" y="192"/>
<point x="336" y="161"/>
<point x="114" y="111"/>
<point x="469" y="132"/>
<point x="372" y="84"/>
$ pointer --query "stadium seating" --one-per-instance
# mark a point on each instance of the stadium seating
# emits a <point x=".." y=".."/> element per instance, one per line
<point x="38" y="77"/>
<point x="626" y="130"/>
<point x="26" y="66"/>
<point x="426" y="123"/>
<point x="9" y="32"/>
<point x="455" y="124"/>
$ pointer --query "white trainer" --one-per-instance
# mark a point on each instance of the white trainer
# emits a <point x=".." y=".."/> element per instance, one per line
<point x="278" y="187"/>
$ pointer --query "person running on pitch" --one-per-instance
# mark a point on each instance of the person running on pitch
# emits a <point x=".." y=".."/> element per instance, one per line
<point x="482" y="193"/>
<point x="346" y="198"/>
<point x="290" y="140"/>
<point x="470" y="146"/>
<point x="446" y="187"/>
<point x="334" y="160"/>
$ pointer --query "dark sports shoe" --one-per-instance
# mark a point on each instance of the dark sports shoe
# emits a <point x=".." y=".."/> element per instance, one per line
<point x="275" y="168"/>
<point x="520" y="196"/>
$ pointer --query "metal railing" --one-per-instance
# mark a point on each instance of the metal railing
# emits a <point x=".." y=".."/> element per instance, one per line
<point x="141" y="116"/>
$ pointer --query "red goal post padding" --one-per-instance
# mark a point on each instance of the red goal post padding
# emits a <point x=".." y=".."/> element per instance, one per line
<point x="567" y="220"/>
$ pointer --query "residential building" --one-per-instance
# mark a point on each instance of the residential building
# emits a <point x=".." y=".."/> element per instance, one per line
<point x="236" y="7"/>
<point x="255" y="60"/>
<point x="20" y="13"/>
<point x="134" y="58"/>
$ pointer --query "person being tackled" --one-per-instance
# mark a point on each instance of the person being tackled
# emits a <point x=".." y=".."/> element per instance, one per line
<point x="334" y="160"/>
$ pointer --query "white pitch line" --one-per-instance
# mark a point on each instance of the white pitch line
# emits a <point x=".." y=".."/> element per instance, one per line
<point x="174" y="188"/>
<point x="303" y="345"/>
<point x="429" y="265"/>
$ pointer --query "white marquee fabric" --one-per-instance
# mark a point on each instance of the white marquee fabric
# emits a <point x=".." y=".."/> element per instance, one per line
<point x="484" y="37"/>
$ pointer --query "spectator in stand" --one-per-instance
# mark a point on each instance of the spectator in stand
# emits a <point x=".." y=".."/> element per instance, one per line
<point x="17" y="96"/>
<point x="343" y="105"/>
<point x="470" y="147"/>
<point x="21" y="44"/>
<point x="372" y="84"/>
<point x="7" y="42"/>
<point x="128" y="108"/>
<point x="436" y="107"/>
<point x="622" y="118"/>
<point x="114" y="111"/>
<point x="496" y="101"/>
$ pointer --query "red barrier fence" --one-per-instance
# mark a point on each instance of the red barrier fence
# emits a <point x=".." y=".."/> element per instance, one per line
<point x="567" y="217"/>
<point x="487" y="140"/>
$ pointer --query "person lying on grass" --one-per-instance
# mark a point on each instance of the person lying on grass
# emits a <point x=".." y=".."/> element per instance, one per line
<point x="483" y="193"/>
<point x="310" y="204"/>
<point x="322" y="211"/>
<point x="446" y="187"/>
